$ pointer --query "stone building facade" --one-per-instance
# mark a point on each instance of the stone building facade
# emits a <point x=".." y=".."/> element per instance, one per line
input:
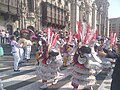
<point x="60" y="14"/>
<point x="39" y="14"/>
<point x="114" y="26"/>
<point x="9" y="15"/>
<point x="84" y="11"/>
<point x="102" y="17"/>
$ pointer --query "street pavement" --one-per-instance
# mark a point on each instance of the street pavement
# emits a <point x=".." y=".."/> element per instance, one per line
<point x="26" y="79"/>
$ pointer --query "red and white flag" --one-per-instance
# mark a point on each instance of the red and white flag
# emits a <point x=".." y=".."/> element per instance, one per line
<point x="54" y="40"/>
<point x="78" y="31"/>
<point x="115" y="38"/>
<point x="93" y="37"/>
<point x="87" y="35"/>
<point x="49" y="35"/>
<point x="111" y="38"/>
<point x="70" y="37"/>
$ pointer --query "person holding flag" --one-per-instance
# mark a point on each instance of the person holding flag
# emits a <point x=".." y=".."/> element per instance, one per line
<point x="50" y="62"/>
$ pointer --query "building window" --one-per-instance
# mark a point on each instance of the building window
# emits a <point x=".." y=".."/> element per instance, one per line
<point x="15" y="3"/>
<point x="30" y="5"/>
<point x="6" y="1"/>
<point x="2" y="0"/>
<point x="11" y="2"/>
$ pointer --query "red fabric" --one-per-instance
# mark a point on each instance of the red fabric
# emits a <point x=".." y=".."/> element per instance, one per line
<point x="55" y="40"/>
<point x="49" y="34"/>
<point x="44" y="56"/>
<point x="111" y="38"/>
<point x="93" y="37"/>
<point x="74" y="85"/>
<point x="78" y="31"/>
<point x="70" y="37"/>
<point x="87" y="35"/>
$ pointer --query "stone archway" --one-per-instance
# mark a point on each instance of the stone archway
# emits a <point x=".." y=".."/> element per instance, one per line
<point x="10" y="29"/>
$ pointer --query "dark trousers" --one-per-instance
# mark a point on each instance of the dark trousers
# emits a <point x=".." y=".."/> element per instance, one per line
<point x="2" y="39"/>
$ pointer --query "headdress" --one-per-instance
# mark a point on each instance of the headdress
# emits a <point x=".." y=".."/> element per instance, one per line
<point x="53" y="52"/>
<point x="85" y="49"/>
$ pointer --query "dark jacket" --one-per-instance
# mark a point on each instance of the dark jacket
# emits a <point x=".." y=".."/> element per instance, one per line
<point x="115" y="85"/>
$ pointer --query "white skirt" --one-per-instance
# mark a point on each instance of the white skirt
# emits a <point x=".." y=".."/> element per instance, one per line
<point x="83" y="76"/>
<point x="49" y="71"/>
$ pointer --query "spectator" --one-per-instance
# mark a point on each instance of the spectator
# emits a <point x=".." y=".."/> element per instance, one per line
<point x="17" y="33"/>
<point x="7" y="37"/>
<point x="3" y="36"/>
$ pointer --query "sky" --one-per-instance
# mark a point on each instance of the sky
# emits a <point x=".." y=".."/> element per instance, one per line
<point x="114" y="9"/>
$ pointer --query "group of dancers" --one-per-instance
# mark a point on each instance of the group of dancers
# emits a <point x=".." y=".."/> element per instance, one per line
<point x="21" y="50"/>
<point x="85" y="60"/>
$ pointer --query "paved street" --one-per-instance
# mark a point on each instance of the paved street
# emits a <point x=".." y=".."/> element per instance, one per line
<point x="26" y="79"/>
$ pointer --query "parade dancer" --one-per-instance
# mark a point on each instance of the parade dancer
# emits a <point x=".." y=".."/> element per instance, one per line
<point x="84" y="69"/>
<point x="49" y="65"/>
<point x="15" y="52"/>
<point x="115" y="84"/>
<point x="65" y="54"/>
<point x="22" y="40"/>
<point x="28" y="49"/>
<point x="1" y="85"/>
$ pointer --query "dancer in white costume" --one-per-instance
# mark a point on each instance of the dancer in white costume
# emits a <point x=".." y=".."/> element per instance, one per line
<point x="28" y="49"/>
<point x="22" y="41"/>
<point x="15" y="52"/>
<point x="49" y="66"/>
<point x="84" y="69"/>
<point x="1" y="85"/>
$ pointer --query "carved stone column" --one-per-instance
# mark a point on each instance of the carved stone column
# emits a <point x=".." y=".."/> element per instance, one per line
<point x="73" y="15"/>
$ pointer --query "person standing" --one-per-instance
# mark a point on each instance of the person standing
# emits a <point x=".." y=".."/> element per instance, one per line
<point x="17" y="33"/>
<point x="28" y="49"/>
<point x="7" y="37"/>
<point x="115" y="84"/>
<point x="65" y="54"/>
<point x="15" y="52"/>
<point x="3" y="36"/>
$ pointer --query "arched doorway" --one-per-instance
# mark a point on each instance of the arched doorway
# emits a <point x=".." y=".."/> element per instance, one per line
<point x="30" y="27"/>
<point x="10" y="29"/>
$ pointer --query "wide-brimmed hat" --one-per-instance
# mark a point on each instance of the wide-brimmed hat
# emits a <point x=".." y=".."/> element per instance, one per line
<point x="118" y="43"/>
<point x="53" y="52"/>
<point x="82" y="60"/>
<point x="85" y="49"/>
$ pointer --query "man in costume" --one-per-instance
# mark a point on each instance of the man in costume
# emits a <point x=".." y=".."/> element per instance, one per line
<point x="115" y="85"/>
<point x="15" y="52"/>
<point x="49" y="65"/>
<point x="28" y="48"/>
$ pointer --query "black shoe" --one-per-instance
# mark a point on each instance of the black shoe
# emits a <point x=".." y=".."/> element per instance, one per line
<point x="27" y="59"/>
<point x="38" y="63"/>
<point x="21" y="62"/>
<point x="16" y="70"/>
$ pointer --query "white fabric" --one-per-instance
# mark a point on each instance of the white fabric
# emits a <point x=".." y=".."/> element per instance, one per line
<point x="16" y="54"/>
<point x="21" y="52"/>
<point x="27" y="52"/>
<point x="15" y="47"/>
<point x="49" y="71"/>
<point x="16" y="60"/>
<point x="28" y="49"/>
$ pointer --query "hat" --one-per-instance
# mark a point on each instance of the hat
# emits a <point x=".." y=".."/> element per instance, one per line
<point x="85" y="49"/>
<point x="53" y="52"/>
<point x="82" y="60"/>
<point x="118" y="43"/>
